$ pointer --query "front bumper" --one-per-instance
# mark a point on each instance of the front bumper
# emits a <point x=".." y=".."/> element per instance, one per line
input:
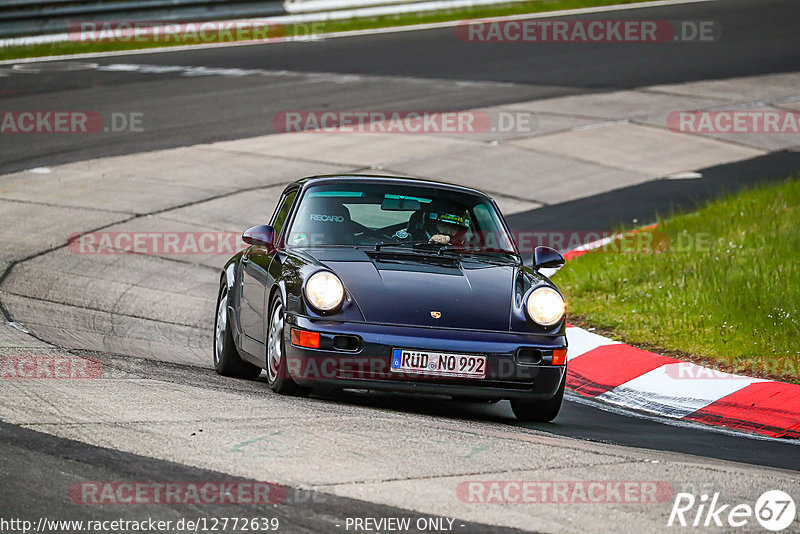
<point x="358" y="356"/>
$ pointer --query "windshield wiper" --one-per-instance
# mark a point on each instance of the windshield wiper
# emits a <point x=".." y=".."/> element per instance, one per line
<point x="381" y="244"/>
<point x="485" y="254"/>
<point x="442" y="249"/>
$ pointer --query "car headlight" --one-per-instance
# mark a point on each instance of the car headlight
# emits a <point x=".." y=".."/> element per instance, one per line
<point x="546" y="306"/>
<point x="324" y="291"/>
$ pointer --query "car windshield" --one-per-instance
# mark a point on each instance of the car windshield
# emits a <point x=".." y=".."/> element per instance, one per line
<point x="386" y="215"/>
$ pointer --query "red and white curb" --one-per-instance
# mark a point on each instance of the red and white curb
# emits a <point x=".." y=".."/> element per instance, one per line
<point x="583" y="249"/>
<point x="625" y="376"/>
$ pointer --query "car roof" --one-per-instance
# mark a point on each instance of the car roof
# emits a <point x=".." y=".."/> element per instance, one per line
<point x="378" y="178"/>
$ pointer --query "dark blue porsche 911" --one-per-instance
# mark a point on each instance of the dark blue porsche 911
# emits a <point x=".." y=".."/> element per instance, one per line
<point x="386" y="283"/>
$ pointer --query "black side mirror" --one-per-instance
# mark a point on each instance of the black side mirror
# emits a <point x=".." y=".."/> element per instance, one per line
<point x="548" y="258"/>
<point x="262" y="235"/>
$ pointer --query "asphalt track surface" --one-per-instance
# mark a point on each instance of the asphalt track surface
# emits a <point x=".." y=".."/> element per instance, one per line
<point x="65" y="462"/>
<point x="430" y="70"/>
<point x="395" y="71"/>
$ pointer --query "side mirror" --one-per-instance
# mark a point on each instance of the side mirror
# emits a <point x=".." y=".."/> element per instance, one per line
<point x="262" y="235"/>
<point x="547" y="258"/>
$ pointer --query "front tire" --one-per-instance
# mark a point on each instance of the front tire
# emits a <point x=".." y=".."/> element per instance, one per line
<point x="227" y="361"/>
<point x="277" y="373"/>
<point x="540" y="411"/>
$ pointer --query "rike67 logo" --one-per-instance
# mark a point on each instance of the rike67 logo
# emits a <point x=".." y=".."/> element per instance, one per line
<point x="774" y="510"/>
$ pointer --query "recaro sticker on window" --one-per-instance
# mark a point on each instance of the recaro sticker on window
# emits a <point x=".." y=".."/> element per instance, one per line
<point x="326" y="218"/>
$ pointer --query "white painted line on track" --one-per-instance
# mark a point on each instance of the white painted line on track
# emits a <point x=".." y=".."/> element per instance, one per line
<point x="18" y="326"/>
<point x="688" y="175"/>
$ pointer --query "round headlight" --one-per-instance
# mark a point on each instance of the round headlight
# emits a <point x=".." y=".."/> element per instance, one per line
<point x="546" y="306"/>
<point x="324" y="291"/>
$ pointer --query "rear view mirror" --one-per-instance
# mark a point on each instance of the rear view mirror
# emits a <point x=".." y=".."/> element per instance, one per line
<point x="262" y="235"/>
<point x="547" y="258"/>
<point x="400" y="204"/>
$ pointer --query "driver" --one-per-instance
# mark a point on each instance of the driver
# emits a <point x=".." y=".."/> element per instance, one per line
<point x="451" y="228"/>
<point x="439" y="222"/>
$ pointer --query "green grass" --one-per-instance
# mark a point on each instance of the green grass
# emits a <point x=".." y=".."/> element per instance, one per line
<point x="535" y="6"/>
<point x="724" y="290"/>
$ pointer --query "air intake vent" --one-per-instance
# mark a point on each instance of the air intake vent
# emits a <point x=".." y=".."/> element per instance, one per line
<point x="348" y="343"/>
<point x="527" y="356"/>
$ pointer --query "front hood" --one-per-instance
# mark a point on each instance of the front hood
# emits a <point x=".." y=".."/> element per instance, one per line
<point x="408" y="289"/>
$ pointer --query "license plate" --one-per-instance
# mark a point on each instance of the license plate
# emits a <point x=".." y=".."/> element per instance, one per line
<point x="438" y="364"/>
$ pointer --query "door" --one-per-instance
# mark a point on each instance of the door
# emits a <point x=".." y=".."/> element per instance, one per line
<point x="256" y="280"/>
<point x="255" y="265"/>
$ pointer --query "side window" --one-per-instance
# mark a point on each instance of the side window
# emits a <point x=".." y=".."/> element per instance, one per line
<point x="282" y="211"/>
<point x="482" y="216"/>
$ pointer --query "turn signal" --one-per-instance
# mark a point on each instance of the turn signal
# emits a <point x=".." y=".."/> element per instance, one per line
<point x="559" y="356"/>
<point x="304" y="338"/>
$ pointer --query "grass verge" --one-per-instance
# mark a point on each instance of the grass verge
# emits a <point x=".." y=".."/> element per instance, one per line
<point x="719" y="286"/>
<point x="537" y="6"/>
